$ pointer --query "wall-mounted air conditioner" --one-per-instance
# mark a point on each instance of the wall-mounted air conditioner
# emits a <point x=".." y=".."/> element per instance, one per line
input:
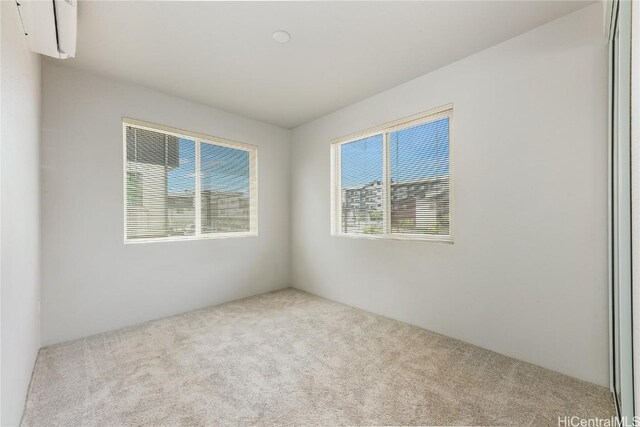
<point x="50" y="26"/>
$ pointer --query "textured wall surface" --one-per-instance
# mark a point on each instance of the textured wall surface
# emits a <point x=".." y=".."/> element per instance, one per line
<point x="20" y="212"/>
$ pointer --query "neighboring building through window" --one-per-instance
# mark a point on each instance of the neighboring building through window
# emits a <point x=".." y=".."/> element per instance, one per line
<point x="395" y="181"/>
<point x="134" y="188"/>
<point x="181" y="185"/>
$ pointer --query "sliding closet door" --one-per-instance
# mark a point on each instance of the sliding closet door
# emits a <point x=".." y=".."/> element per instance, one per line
<point x="621" y="295"/>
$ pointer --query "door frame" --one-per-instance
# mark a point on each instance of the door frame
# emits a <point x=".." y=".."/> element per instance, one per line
<point x="619" y="19"/>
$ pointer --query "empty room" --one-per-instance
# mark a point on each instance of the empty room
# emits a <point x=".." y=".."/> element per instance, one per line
<point x="319" y="213"/>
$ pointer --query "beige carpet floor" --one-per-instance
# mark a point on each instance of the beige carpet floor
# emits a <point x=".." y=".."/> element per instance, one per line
<point x="289" y="357"/>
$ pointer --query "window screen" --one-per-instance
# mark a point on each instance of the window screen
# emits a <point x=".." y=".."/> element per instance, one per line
<point x="225" y="189"/>
<point x="419" y="161"/>
<point x="361" y="186"/>
<point x="395" y="183"/>
<point x="185" y="187"/>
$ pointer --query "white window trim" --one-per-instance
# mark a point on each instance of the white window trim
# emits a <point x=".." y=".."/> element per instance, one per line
<point x="198" y="138"/>
<point x="384" y="130"/>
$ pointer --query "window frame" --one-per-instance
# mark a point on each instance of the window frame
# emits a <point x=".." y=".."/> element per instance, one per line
<point x="198" y="139"/>
<point x="384" y="130"/>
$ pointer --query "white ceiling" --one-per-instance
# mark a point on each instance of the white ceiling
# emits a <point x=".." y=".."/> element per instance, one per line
<point x="222" y="53"/>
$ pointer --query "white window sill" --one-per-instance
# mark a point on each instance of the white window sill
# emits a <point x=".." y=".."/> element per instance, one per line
<point x="409" y="237"/>
<point x="189" y="238"/>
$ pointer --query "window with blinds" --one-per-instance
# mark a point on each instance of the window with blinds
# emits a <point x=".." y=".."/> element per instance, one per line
<point x="394" y="181"/>
<point x="181" y="185"/>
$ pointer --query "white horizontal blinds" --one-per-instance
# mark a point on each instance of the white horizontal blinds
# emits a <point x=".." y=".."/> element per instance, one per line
<point x="419" y="167"/>
<point x="160" y="184"/>
<point x="361" y="186"/>
<point x="225" y="189"/>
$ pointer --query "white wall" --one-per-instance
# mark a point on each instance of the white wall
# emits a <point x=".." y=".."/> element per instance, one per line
<point x="19" y="212"/>
<point x="92" y="281"/>
<point x="527" y="275"/>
